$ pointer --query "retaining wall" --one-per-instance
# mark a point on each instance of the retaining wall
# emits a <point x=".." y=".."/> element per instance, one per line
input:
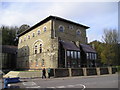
<point x="64" y="72"/>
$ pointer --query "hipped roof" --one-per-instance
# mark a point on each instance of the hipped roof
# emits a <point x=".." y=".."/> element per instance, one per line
<point x="87" y="48"/>
<point x="49" y="18"/>
<point x="69" y="46"/>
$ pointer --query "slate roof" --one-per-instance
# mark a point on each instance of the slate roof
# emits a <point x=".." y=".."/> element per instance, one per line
<point x="69" y="46"/>
<point x="87" y="48"/>
<point x="47" y="19"/>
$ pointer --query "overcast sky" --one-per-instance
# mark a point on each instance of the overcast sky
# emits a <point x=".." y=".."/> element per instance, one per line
<point x="96" y="15"/>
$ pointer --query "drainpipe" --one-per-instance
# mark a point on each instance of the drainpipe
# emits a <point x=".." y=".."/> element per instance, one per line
<point x="65" y="59"/>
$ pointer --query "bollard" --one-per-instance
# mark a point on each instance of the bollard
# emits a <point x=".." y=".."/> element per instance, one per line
<point x="5" y="83"/>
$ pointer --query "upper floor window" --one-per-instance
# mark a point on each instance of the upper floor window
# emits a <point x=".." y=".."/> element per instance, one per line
<point x="38" y="32"/>
<point x="61" y="28"/>
<point x="45" y="29"/>
<point x="24" y="38"/>
<point x="40" y="48"/>
<point x="33" y="35"/>
<point x="78" y="32"/>
<point x="35" y="49"/>
<point x="28" y="36"/>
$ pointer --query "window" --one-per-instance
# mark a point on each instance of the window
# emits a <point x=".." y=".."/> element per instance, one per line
<point x="45" y="29"/>
<point x="35" y="49"/>
<point x="78" y="32"/>
<point x="75" y="54"/>
<point x="90" y="55"/>
<point x="33" y="35"/>
<point x="61" y="28"/>
<point x="68" y="53"/>
<point x="87" y="55"/>
<point x="24" y="38"/>
<point x="40" y="48"/>
<point x="71" y="54"/>
<point x="38" y="32"/>
<point x="95" y="56"/>
<point x="28" y="36"/>
<point x="78" y="55"/>
<point x="43" y="62"/>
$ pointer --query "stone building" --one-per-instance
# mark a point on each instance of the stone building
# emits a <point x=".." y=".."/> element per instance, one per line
<point x="56" y="43"/>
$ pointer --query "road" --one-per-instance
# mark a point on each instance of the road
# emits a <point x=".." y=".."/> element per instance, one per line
<point x="104" y="81"/>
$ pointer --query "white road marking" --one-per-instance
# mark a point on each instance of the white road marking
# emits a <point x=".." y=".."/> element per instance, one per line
<point x="81" y="85"/>
<point x="60" y="87"/>
<point x="70" y="85"/>
<point x="29" y="83"/>
<point x="50" y="87"/>
<point x="34" y="87"/>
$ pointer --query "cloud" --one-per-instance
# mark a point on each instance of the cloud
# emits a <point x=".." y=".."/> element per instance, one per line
<point x="96" y="15"/>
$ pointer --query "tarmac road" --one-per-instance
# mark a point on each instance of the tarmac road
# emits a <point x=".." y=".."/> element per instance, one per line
<point x="103" y="81"/>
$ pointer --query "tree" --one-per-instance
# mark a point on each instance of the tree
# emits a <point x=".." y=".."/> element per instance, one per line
<point x="110" y="53"/>
<point x="23" y="28"/>
<point x="8" y="35"/>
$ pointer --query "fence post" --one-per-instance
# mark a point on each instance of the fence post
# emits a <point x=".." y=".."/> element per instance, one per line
<point x="110" y="70"/>
<point x="98" y="71"/>
<point x="70" y="72"/>
<point x="85" y="71"/>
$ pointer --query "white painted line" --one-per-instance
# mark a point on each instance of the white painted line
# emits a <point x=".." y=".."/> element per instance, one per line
<point x="29" y="83"/>
<point x="50" y="87"/>
<point x="60" y="87"/>
<point x="81" y="85"/>
<point x="70" y="85"/>
<point x="34" y="87"/>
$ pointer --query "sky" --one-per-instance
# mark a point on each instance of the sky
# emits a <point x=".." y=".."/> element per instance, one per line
<point x="97" y="15"/>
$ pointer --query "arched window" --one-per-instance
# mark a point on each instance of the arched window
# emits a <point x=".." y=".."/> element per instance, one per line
<point x="45" y="29"/>
<point x="61" y="28"/>
<point x="40" y="48"/>
<point x="33" y="35"/>
<point x="28" y="36"/>
<point x="38" y="32"/>
<point x="35" y="49"/>
<point x="78" y="32"/>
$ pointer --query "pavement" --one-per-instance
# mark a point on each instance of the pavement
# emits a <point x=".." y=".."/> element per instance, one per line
<point x="81" y="82"/>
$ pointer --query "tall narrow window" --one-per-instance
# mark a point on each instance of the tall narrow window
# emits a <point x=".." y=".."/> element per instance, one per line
<point x="95" y="56"/>
<point x="40" y="48"/>
<point x="75" y="54"/>
<point x="33" y="35"/>
<point x="45" y="29"/>
<point x="72" y="54"/>
<point x="68" y="53"/>
<point x="78" y="55"/>
<point x="87" y="54"/>
<point x="38" y="32"/>
<point x="35" y="49"/>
